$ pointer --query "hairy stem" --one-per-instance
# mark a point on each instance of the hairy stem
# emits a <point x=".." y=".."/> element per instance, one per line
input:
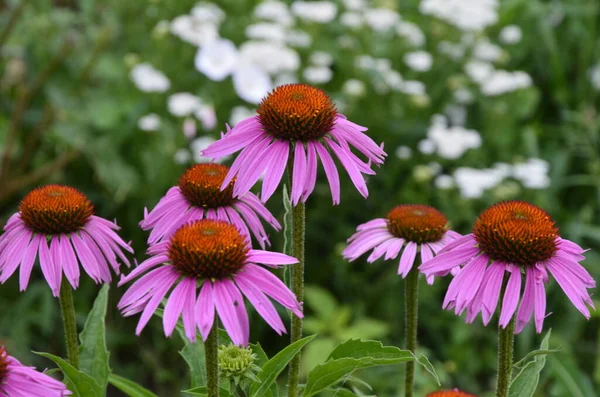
<point x="505" y="352"/>
<point x="411" y="312"/>
<point x="67" y="310"/>
<point x="211" y="351"/>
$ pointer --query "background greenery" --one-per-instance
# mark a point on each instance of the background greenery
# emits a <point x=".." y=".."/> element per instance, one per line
<point x="69" y="114"/>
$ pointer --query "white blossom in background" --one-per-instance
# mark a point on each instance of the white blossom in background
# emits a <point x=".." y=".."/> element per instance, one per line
<point x="426" y="146"/>
<point x="420" y="61"/>
<point x="501" y="82"/>
<point x="511" y="34"/>
<point x="183" y="104"/>
<point x="148" y="79"/>
<point x="208" y="13"/>
<point x="161" y="29"/>
<point x="251" y="83"/>
<point x="381" y="19"/>
<point x="193" y="30"/>
<point x="182" y="156"/>
<point x="423" y="173"/>
<point x="239" y="113"/>
<point x="352" y="20"/>
<point x="321" y="58"/>
<point x="266" y="31"/>
<point x="486" y="51"/>
<point x="189" y="128"/>
<point x="382" y="65"/>
<point x="354" y="87"/>
<point x="393" y="79"/>
<point x="457" y="114"/>
<point x="355" y="4"/>
<point x="411" y="32"/>
<point x="463" y="96"/>
<point x="479" y="71"/>
<point x="271" y="57"/>
<point x="276" y="11"/>
<point x="403" y="152"/>
<point x="207" y="116"/>
<point x="149" y="122"/>
<point x="298" y="38"/>
<point x="285" y="78"/>
<point x="217" y="59"/>
<point x="451" y="142"/>
<point x="412" y="87"/>
<point x="533" y="174"/>
<point x="444" y="182"/>
<point x="365" y="62"/>
<point x="315" y="11"/>
<point x="595" y="76"/>
<point x="469" y="15"/>
<point x="473" y="182"/>
<point x="454" y="51"/>
<point x="317" y="74"/>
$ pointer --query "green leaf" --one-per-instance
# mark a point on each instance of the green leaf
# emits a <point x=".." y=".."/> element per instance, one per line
<point x="526" y="381"/>
<point x="320" y="301"/>
<point x="201" y="391"/>
<point x="80" y="383"/>
<point x="272" y="368"/>
<point x="193" y="354"/>
<point x="93" y="356"/>
<point x="350" y="356"/>
<point x="129" y="387"/>
<point x="569" y="379"/>
<point x="262" y="359"/>
<point x="425" y="363"/>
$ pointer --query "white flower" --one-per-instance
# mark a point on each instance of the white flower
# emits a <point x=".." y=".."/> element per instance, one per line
<point x="464" y="14"/>
<point x="208" y="13"/>
<point x="463" y="96"/>
<point x="183" y="104"/>
<point x="403" y="152"/>
<point x="240" y="113"/>
<point x="148" y="79"/>
<point x="426" y="146"/>
<point x="189" y="128"/>
<point x="193" y="30"/>
<point x="161" y="29"/>
<point x="298" y="38"/>
<point x="352" y="20"/>
<point x="595" y="76"/>
<point x="317" y="74"/>
<point x="412" y="87"/>
<point x="486" y="51"/>
<point x="410" y="32"/>
<point x="321" y="58"/>
<point x="456" y="113"/>
<point x="266" y="31"/>
<point x="444" y="182"/>
<point x="478" y="71"/>
<point x="182" y="156"/>
<point x="207" y="115"/>
<point x="354" y="87"/>
<point x="533" y="174"/>
<point x="419" y="61"/>
<point x="381" y="19"/>
<point x="355" y="4"/>
<point x="502" y="81"/>
<point x="276" y="11"/>
<point x="269" y="56"/>
<point x="382" y="65"/>
<point x="511" y="34"/>
<point x="452" y="142"/>
<point x="285" y="78"/>
<point x="364" y="62"/>
<point x="149" y="122"/>
<point x="473" y="182"/>
<point x="393" y="79"/>
<point x="251" y="83"/>
<point x="454" y="51"/>
<point x="217" y="59"/>
<point x="315" y="11"/>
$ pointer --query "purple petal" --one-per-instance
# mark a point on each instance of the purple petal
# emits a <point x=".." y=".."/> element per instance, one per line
<point x="205" y="309"/>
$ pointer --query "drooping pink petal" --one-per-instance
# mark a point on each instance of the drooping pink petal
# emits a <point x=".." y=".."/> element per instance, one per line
<point x="299" y="173"/>
<point x="311" y="170"/>
<point x="270" y="258"/>
<point x="227" y="304"/>
<point x="158" y="294"/>
<point x="70" y="264"/>
<point x="28" y="261"/>
<point x="540" y="304"/>
<point x="443" y="263"/>
<point x="407" y="259"/>
<point x="275" y="170"/>
<point x="268" y="283"/>
<point x="261" y="303"/>
<point x="527" y="302"/>
<point x="511" y="296"/>
<point x="48" y="268"/>
<point x="355" y="176"/>
<point x="330" y="172"/>
<point x="205" y="309"/>
<point x="175" y="304"/>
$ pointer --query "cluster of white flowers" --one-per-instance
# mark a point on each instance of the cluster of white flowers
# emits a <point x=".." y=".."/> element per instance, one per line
<point x="511" y="34"/>
<point x="595" y="76"/>
<point x="420" y="61"/>
<point x="148" y="79"/>
<point x="449" y="142"/>
<point x="494" y="82"/>
<point x="386" y="78"/>
<point x="467" y="15"/>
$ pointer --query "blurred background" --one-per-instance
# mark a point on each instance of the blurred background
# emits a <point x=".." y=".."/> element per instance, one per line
<point x="476" y="102"/>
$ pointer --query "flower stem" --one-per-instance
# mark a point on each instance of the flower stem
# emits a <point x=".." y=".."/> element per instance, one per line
<point x="211" y="352"/>
<point x="505" y="353"/>
<point x="411" y="312"/>
<point x="67" y="310"/>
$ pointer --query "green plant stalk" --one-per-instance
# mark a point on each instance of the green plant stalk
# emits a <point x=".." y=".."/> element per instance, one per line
<point x="506" y="339"/>
<point x="411" y="314"/>
<point x="67" y="310"/>
<point x="211" y="352"/>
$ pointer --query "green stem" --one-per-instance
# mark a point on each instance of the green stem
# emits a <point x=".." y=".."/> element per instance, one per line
<point x="506" y="339"/>
<point x="211" y="352"/>
<point x="411" y="312"/>
<point x="67" y="310"/>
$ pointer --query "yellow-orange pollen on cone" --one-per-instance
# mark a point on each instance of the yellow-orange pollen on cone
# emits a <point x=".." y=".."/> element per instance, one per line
<point x="450" y="393"/>
<point x="208" y="249"/>
<point x="55" y="209"/>
<point x="516" y="232"/>
<point x="297" y="112"/>
<point x="201" y="186"/>
<point x="3" y="363"/>
<point x="417" y="223"/>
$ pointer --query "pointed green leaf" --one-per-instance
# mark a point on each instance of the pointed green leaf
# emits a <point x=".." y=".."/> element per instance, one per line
<point x="80" y="383"/>
<point x="425" y="363"/>
<point x="130" y="388"/>
<point x="193" y="354"/>
<point x="272" y="368"/>
<point x="526" y="381"/>
<point x="262" y="359"/>
<point x="201" y="391"/>
<point x="93" y="356"/>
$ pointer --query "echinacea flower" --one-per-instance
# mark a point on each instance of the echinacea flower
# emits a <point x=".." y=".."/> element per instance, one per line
<point x="299" y="123"/>
<point x="512" y="240"/>
<point x="215" y="257"/>
<point x="450" y="393"/>
<point x="18" y="380"/>
<point x="198" y="196"/>
<point x="58" y="223"/>
<point x="412" y="226"/>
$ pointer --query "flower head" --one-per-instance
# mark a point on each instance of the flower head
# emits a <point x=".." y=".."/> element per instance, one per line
<point x="512" y="240"/>
<point x="19" y="380"/>
<point x="58" y="223"/>
<point x="450" y="393"/>
<point x="199" y="196"/>
<point x="300" y="123"/>
<point x="237" y="363"/>
<point x="216" y="258"/>
<point x="412" y="226"/>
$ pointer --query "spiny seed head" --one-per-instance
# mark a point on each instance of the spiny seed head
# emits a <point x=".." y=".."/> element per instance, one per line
<point x="236" y="362"/>
<point x="450" y="393"/>
<point x="201" y="186"/>
<point x="55" y="209"/>
<point x="417" y="223"/>
<point x="208" y="249"/>
<point x="297" y="112"/>
<point x="516" y="232"/>
<point x="3" y="363"/>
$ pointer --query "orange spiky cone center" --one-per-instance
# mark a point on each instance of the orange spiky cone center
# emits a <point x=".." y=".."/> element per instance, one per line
<point x="297" y="112"/>
<point x="208" y="249"/>
<point x="55" y="209"/>
<point x="450" y="393"/>
<point x="417" y="223"/>
<point x="201" y="186"/>
<point x="3" y="363"/>
<point x="516" y="232"/>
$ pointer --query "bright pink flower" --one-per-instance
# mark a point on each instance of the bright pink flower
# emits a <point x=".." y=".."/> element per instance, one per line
<point x="417" y="228"/>
<point x="512" y="241"/>
<point x="298" y="123"/>
<point x="198" y="196"/>
<point x="215" y="257"/>
<point x="57" y="223"/>
<point x="17" y="380"/>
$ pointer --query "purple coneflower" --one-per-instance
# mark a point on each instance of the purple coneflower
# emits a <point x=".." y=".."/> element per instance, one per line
<point x="58" y="224"/>
<point x="216" y="256"/>
<point x="412" y="226"/>
<point x="513" y="240"/>
<point x="199" y="196"/>
<point x="301" y="123"/>
<point x="17" y="380"/>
